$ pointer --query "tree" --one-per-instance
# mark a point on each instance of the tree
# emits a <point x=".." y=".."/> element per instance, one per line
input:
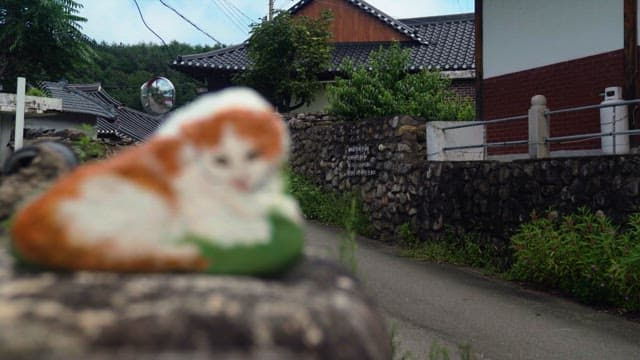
<point x="385" y="87"/>
<point x="40" y="39"/>
<point x="287" y="55"/>
<point x="121" y="69"/>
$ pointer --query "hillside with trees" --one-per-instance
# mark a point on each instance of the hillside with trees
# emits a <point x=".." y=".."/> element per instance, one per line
<point x="43" y="40"/>
<point x="122" y="68"/>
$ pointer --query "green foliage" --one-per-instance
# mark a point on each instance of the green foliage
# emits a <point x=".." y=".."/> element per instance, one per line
<point x="407" y="236"/>
<point x="582" y="254"/>
<point x="455" y="247"/>
<point x="332" y="209"/>
<point x="438" y="352"/>
<point x="287" y="55"/>
<point x="86" y="147"/>
<point x="347" y="249"/>
<point x="121" y="69"/>
<point x="40" y="40"/>
<point x="326" y="206"/>
<point x="396" y="345"/>
<point x="34" y="91"/>
<point x="384" y="87"/>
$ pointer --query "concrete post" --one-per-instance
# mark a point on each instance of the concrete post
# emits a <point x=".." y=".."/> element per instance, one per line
<point x="20" y="98"/>
<point x="538" y="128"/>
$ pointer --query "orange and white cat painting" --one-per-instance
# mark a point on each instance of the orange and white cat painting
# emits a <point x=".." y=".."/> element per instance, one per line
<point x="205" y="193"/>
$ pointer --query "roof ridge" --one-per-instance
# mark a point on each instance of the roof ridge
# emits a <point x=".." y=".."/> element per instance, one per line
<point x="209" y="53"/>
<point x="439" y="18"/>
<point x="383" y="17"/>
<point x="109" y="109"/>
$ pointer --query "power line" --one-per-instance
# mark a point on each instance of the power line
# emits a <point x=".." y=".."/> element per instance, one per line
<point x="231" y="16"/>
<point x="238" y="11"/>
<point x="147" y="26"/>
<point x="190" y="22"/>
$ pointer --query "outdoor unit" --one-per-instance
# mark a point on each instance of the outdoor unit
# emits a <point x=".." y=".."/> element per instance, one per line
<point x="614" y="119"/>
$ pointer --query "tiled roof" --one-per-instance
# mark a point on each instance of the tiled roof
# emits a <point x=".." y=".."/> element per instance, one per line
<point x="76" y="102"/>
<point x="397" y="25"/>
<point x="232" y="58"/>
<point x="111" y="115"/>
<point x="450" y="41"/>
<point x="449" y="45"/>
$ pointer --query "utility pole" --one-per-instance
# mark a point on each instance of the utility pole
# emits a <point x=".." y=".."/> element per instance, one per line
<point x="270" y="15"/>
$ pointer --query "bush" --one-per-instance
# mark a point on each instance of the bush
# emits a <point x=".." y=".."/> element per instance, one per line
<point x="454" y="247"/>
<point x="87" y="147"/>
<point x="582" y="254"/>
<point x="34" y="91"/>
<point x="384" y="87"/>
<point x="326" y="206"/>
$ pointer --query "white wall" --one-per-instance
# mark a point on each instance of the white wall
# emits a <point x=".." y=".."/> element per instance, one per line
<point x="51" y="123"/>
<point x="319" y="104"/>
<point x="524" y="34"/>
<point x="437" y="139"/>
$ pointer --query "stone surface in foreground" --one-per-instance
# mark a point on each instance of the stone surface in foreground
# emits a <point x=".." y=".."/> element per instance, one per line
<point x="316" y="311"/>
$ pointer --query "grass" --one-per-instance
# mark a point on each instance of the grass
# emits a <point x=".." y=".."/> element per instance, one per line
<point x="86" y="147"/>
<point x="454" y="247"/>
<point x="328" y="207"/>
<point x="436" y="351"/>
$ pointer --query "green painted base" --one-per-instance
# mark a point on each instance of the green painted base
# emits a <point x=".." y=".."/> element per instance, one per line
<point x="285" y="247"/>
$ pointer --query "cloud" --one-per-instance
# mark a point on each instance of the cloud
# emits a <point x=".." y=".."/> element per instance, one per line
<point x="118" y="21"/>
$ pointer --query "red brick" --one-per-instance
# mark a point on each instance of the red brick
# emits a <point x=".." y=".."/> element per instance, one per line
<point x="567" y="84"/>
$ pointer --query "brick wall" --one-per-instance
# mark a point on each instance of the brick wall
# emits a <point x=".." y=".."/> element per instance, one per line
<point x="465" y="88"/>
<point x="567" y="84"/>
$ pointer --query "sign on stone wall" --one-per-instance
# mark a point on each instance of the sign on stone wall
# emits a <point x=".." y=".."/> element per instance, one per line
<point x="358" y="161"/>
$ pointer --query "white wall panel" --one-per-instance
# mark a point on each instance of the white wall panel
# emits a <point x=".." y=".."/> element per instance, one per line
<point x="524" y="34"/>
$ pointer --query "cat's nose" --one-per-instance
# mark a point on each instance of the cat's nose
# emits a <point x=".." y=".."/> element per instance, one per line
<point x="241" y="184"/>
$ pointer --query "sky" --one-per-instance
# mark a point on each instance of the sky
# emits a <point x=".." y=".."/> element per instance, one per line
<point x="227" y="21"/>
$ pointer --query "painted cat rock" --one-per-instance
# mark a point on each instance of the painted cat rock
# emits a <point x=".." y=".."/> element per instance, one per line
<point x="205" y="193"/>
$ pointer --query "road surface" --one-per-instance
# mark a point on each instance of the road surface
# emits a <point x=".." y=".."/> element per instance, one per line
<point x="454" y="306"/>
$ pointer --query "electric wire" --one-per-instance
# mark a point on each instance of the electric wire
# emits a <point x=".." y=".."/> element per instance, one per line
<point x="190" y="22"/>
<point x="231" y="18"/>
<point x="240" y="12"/>
<point x="147" y="26"/>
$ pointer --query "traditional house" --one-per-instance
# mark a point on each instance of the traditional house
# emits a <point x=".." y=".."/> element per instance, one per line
<point x="91" y="104"/>
<point x="567" y="50"/>
<point x="445" y="43"/>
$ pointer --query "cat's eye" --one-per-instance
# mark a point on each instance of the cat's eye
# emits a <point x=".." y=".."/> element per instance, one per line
<point x="252" y="155"/>
<point x="221" y="160"/>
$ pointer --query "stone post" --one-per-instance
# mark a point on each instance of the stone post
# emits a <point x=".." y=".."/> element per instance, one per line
<point x="538" y="128"/>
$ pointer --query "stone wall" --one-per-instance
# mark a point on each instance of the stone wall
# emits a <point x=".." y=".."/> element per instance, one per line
<point x="494" y="198"/>
<point x="379" y="159"/>
<point x="383" y="160"/>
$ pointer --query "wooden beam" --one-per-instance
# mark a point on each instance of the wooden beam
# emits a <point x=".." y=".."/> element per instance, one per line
<point x="629" y="90"/>
<point x="478" y="59"/>
<point x="630" y="79"/>
<point x="33" y="104"/>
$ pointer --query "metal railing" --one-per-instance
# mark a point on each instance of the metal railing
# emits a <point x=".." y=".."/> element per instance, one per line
<point x="539" y="112"/>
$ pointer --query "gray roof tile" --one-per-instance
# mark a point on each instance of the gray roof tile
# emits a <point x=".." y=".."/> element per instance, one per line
<point x="111" y="115"/>
<point x="448" y="45"/>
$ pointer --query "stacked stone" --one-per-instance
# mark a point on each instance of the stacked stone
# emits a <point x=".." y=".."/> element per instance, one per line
<point x="490" y="198"/>
<point x="379" y="159"/>
<point x="494" y="198"/>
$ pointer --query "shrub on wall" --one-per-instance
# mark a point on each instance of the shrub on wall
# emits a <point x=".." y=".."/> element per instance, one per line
<point x="384" y="87"/>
